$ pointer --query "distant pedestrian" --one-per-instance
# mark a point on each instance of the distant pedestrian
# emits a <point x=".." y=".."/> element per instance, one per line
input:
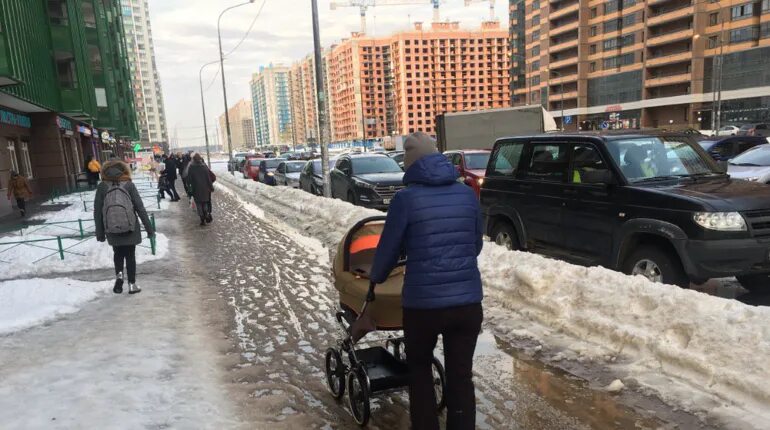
<point x="170" y="170"/>
<point x="201" y="181"/>
<point x="185" y="161"/>
<point x="93" y="169"/>
<point x="442" y="291"/>
<point x="117" y="211"/>
<point x="18" y="187"/>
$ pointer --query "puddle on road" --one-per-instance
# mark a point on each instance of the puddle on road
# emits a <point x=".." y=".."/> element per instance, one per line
<point x="543" y="397"/>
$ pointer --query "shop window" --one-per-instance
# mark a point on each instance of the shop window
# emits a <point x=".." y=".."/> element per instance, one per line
<point x="26" y="164"/>
<point x="12" y="155"/>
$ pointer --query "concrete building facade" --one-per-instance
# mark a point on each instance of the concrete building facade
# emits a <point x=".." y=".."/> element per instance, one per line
<point x="145" y="80"/>
<point x="271" y="101"/>
<point x="242" y="130"/>
<point x="643" y="63"/>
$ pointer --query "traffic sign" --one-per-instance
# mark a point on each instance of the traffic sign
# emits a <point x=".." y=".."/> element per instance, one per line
<point x="137" y="147"/>
<point x="605" y="125"/>
<point x="568" y="119"/>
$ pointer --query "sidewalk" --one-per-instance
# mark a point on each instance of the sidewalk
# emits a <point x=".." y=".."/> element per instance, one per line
<point x="145" y="361"/>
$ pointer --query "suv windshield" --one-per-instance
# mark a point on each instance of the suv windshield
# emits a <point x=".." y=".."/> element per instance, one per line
<point x="652" y="158"/>
<point x="477" y="161"/>
<point x="757" y="156"/>
<point x="294" y="167"/>
<point x="383" y="164"/>
<point x="273" y="163"/>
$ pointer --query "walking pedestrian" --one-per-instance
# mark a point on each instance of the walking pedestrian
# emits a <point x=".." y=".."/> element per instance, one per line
<point x="442" y="290"/>
<point x="93" y="169"/>
<point x="117" y="211"/>
<point x="170" y="170"/>
<point x="18" y="187"/>
<point x="183" y="168"/>
<point x="201" y="181"/>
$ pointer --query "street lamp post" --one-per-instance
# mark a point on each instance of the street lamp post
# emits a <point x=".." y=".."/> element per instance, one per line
<point x="203" y="108"/>
<point x="224" y="82"/>
<point x="319" y="79"/>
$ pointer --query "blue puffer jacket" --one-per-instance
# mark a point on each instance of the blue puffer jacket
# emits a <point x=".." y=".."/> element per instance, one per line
<point x="437" y="222"/>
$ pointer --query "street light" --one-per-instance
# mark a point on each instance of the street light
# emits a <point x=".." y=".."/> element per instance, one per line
<point x="224" y="82"/>
<point x="320" y="94"/>
<point x="203" y="108"/>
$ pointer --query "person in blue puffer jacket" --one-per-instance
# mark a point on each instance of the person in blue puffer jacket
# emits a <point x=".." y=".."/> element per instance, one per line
<point x="436" y="222"/>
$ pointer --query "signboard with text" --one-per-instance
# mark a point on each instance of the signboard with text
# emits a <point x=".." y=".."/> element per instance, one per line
<point x="15" y="119"/>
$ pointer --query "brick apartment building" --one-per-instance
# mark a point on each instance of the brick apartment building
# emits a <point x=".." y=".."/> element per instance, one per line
<point x="637" y="63"/>
<point x="241" y="126"/>
<point x="304" y="108"/>
<point x="65" y="90"/>
<point x="398" y="84"/>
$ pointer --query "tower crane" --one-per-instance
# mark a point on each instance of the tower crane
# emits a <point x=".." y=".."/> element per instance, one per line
<point x="492" y="16"/>
<point x="364" y="5"/>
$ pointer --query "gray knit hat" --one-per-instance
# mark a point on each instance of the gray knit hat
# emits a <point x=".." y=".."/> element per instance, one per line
<point x="416" y="146"/>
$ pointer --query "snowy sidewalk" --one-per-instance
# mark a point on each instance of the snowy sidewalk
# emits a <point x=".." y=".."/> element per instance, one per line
<point x="145" y="361"/>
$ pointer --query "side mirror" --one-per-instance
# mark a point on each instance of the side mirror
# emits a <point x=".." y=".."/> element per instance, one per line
<point x="598" y="177"/>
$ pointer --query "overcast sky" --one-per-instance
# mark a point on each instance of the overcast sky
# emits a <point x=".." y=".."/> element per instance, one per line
<point x="185" y="36"/>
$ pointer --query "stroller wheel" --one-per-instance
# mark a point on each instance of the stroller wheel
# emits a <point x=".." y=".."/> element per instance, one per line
<point x="439" y="383"/>
<point x="358" y="395"/>
<point x="335" y="373"/>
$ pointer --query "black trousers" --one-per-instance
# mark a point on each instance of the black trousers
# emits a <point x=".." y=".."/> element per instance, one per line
<point x="21" y="204"/>
<point x="127" y="253"/>
<point x="203" y="208"/>
<point x="459" y="327"/>
<point x="172" y="189"/>
<point x="93" y="178"/>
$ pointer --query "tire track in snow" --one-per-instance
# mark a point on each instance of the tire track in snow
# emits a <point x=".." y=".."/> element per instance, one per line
<point x="287" y="306"/>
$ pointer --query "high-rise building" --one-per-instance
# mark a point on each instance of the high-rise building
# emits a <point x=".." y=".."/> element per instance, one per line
<point x="272" y="106"/>
<point x="144" y="74"/>
<point x="399" y="84"/>
<point x="634" y="63"/>
<point x="65" y="90"/>
<point x="241" y="126"/>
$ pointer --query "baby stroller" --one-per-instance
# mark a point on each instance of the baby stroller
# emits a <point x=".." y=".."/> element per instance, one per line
<point x="371" y="370"/>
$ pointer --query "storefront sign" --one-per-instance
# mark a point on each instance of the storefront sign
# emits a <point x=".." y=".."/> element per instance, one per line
<point x="63" y="123"/>
<point x="15" y="119"/>
<point x="614" y="108"/>
<point x="85" y="131"/>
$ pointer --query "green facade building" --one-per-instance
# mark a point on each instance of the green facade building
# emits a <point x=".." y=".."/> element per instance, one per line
<point x="69" y="57"/>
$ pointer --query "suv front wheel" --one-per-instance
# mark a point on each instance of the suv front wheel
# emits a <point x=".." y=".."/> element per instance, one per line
<point x="505" y="235"/>
<point x="657" y="265"/>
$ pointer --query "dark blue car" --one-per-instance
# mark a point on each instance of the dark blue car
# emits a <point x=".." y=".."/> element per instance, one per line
<point x="726" y="148"/>
<point x="267" y="170"/>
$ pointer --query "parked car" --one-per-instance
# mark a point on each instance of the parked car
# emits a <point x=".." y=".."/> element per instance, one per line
<point x="288" y="172"/>
<point x="251" y="168"/>
<point x="648" y="205"/>
<point x="236" y="162"/>
<point x="472" y="166"/>
<point x="398" y="156"/>
<point x="760" y="129"/>
<point x="267" y="170"/>
<point x="753" y="165"/>
<point x="311" y="178"/>
<point x="728" y="130"/>
<point x="369" y="180"/>
<point x="728" y="147"/>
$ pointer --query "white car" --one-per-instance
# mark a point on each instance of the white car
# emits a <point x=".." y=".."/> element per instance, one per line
<point x="752" y="165"/>
<point x="288" y="173"/>
<point x="728" y="130"/>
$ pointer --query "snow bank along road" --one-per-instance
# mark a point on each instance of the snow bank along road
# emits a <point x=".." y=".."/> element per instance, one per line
<point x="705" y="354"/>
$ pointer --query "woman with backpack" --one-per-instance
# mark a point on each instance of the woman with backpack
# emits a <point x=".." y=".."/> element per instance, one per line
<point x="117" y="210"/>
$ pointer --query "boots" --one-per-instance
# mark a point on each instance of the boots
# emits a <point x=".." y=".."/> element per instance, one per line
<point x="134" y="289"/>
<point x="118" y="288"/>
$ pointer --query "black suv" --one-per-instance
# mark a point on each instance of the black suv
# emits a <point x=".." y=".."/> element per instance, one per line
<point x="649" y="205"/>
<point x="369" y="180"/>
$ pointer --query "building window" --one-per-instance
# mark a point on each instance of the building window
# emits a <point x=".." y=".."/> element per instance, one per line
<point x="744" y="34"/>
<point x="764" y="30"/>
<point x="628" y="3"/>
<point x="536" y="51"/>
<point x="535" y="81"/>
<point x="57" y="12"/>
<point x="95" y="56"/>
<point x="611" y="25"/>
<point x="594" y="12"/>
<point x="535" y="20"/>
<point x="535" y="66"/>
<point x="592" y="67"/>
<point x="592" y="49"/>
<point x="593" y="31"/>
<point x="535" y="35"/>
<point x="619" y="61"/>
<point x="713" y="42"/>
<point x="714" y="18"/>
<point x="741" y="11"/>
<point x="65" y="69"/>
<point x="628" y="20"/>
<point x="89" y="16"/>
<point x="765" y="6"/>
<point x="611" y="6"/>
<point x="536" y="5"/>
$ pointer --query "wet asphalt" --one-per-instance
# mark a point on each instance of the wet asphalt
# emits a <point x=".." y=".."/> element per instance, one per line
<point x="273" y="302"/>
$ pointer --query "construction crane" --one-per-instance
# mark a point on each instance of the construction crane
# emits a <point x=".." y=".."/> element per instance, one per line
<point x="364" y="5"/>
<point x="492" y="16"/>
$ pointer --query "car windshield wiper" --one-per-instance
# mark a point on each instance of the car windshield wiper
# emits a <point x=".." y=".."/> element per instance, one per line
<point x="745" y="164"/>
<point x="657" y="179"/>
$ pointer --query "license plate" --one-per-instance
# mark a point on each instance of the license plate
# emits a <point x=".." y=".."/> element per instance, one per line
<point x="386" y="201"/>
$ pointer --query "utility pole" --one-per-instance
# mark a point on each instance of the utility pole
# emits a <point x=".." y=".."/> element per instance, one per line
<point x="319" y="87"/>
<point x="203" y="108"/>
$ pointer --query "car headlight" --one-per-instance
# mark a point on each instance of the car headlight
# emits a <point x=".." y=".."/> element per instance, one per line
<point x="270" y="174"/>
<point x="480" y="181"/>
<point x="363" y="184"/>
<point x="720" y="221"/>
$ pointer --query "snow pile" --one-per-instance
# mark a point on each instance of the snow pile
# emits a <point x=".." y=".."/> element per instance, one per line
<point x="714" y="349"/>
<point x="716" y="345"/>
<point x="29" y="302"/>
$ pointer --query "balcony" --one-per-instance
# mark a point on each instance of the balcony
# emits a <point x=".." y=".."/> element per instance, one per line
<point x="674" y="36"/>
<point x="564" y="45"/>
<point x="563" y="79"/>
<point x="670" y="15"/>
<point x="557" y="97"/>
<point x="563" y="63"/>
<point x="671" y="79"/>
<point x="564" y="11"/>
<point x="565" y="28"/>
<point x="676" y="57"/>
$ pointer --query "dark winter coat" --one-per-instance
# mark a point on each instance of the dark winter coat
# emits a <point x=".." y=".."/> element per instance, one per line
<point x="437" y="222"/>
<point x="199" y="178"/>
<point x="171" y="166"/>
<point x="116" y="171"/>
<point x="183" y="163"/>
